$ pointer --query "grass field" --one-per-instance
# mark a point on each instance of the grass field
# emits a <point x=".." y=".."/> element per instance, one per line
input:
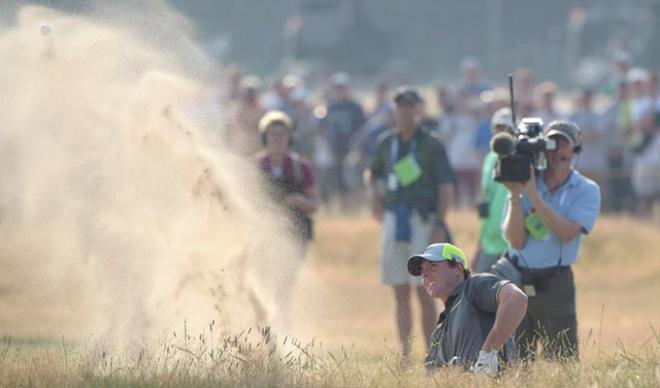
<point x="346" y="330"/>
<point x="618" y="282"/>
<point x="119" y="216"/>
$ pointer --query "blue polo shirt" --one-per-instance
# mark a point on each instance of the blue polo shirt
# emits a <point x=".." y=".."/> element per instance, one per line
<point x="578" y="200"/>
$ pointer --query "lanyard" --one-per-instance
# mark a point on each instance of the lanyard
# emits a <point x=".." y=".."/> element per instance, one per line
<point x="394" y="150"/>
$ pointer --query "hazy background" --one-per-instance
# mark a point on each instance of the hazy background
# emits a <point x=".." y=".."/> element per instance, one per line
<point x="424" y="38"/>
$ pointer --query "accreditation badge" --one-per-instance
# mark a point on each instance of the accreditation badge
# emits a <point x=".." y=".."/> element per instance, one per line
<point x="536" y="227"/>
<point x="407" y="170"/>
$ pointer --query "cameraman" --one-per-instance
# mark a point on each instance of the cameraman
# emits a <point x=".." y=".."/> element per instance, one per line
<point x="544" y="223"/>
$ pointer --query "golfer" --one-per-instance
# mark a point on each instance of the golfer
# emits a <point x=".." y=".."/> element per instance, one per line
<point x="481" y="311"/>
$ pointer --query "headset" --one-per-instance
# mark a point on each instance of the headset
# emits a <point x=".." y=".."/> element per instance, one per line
<point x="275" y="117"/>
<point x="578" y="148"/>
<point x="576" y="138"/>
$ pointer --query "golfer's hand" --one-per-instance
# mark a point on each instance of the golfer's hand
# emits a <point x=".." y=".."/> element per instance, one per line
<point x="487" y="363"/>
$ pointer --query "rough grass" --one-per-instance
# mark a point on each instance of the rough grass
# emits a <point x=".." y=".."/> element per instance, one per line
<point x="617" y="276"/>
<point x="346" y="333"/>
<point x="286" y="362"/>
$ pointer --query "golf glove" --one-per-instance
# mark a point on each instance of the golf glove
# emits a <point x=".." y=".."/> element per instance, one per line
<point x="487" y="363"/>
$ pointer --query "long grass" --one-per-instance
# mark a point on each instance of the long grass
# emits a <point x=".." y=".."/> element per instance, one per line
<point x="345" y="328"/>
<point x="268" y="361"/>
<point x="617" y="278"/>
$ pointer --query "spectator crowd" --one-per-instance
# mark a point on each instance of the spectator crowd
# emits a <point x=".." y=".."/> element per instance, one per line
<point x="336" y="123"/>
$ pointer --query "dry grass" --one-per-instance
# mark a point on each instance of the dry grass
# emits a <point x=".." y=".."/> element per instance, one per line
<point x="617" y="275"/>
<point x="346" y="334"/>
<point x="195" y="362"/>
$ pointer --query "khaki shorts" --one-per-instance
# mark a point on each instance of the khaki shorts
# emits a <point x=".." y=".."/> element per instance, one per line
<point x="394" y="254"/>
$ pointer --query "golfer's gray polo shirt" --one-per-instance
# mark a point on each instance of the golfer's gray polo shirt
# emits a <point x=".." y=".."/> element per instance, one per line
<point x="464" y="325"/>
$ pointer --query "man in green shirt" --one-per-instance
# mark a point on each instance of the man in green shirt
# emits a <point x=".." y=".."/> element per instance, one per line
<point x="491" y="209"/>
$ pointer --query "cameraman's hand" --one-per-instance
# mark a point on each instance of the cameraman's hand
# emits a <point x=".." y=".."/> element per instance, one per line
<point x="514" y="188"/>
<point x="529" y="187"/>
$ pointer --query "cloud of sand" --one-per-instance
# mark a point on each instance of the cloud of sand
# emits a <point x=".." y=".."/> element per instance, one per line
<point x="119" y="217"/>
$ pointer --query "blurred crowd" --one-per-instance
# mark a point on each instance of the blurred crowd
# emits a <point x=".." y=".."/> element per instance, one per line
<point x="337" y="121"/>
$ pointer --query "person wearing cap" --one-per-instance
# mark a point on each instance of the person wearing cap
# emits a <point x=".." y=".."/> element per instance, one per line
<point x="491" y="207"/>
<point x="481" y="311"/>
<point x="290" y="182"/>
<point x="290" y="176"/>
<point x="544" y="223"/>
<point x="411" y="187"/>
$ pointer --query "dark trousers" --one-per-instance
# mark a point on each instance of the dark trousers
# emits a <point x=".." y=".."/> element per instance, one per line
<point x="551" y="318"/>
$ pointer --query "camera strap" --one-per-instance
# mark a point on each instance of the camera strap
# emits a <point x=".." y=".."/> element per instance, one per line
<point x="561" y="246"/>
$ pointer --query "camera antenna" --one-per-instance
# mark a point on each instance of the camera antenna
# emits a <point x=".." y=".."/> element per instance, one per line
<point x="513" y="110"/>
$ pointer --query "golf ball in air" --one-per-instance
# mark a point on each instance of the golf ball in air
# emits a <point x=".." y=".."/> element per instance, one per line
<point x="45" y="29"/>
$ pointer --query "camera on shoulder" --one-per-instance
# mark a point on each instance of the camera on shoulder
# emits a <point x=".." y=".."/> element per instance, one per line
<point x="517" y="151"/>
